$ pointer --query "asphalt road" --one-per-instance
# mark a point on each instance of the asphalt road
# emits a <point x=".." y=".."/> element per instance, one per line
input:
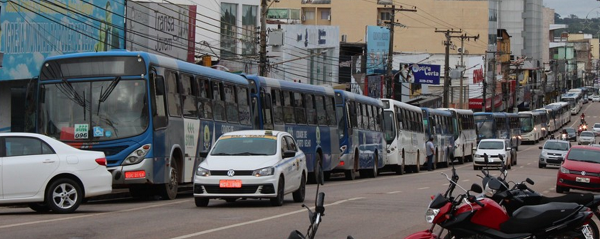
<point x="389" y="206"/>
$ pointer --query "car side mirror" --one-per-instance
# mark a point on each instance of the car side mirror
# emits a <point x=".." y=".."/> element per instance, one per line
<point x="289" y="154"/>
<point x="203" y="154"/>
<point x="540" y="147"/>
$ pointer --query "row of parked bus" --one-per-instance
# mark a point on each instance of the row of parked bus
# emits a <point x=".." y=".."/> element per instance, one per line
<point x="175" y="110"/>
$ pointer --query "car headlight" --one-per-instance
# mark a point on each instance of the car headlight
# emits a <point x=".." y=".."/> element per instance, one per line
<point x="137" y="155"/>
<point x="564" y="170"/>
<point x="430" y="214"/>
<point x="268" y="171"/>
<point x="202" y="172"/>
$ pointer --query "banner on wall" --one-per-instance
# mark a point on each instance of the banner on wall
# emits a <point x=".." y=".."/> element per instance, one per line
<point x="419" y="73"/>
<point x="32" y="30"/>
<point x="378" y="46"/>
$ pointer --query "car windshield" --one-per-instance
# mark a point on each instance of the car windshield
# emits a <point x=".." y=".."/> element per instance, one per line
<point x="584" y="155"/>
<point x="570" y="130"/>
<point x="586" y="134"/>
<point x="491" y="145"/>
<point x="556" y="146"/>
<point x="245" y="145"/>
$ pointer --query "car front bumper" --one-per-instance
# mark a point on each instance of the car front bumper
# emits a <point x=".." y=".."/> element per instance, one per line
<point x="577" y="181"/>
<point x="251" y="187"/>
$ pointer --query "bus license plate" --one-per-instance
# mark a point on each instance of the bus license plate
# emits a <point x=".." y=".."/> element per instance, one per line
<point x="230" y="183"/>
<point x="582" y="180"/>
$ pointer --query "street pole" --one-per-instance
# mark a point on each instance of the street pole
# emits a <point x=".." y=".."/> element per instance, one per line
<point x="390" y="60"/>
<point x="447" y="43"/>
<point x="483" y="104"/>
<point x="462" y="64"/>
<point x="263" y="41"/>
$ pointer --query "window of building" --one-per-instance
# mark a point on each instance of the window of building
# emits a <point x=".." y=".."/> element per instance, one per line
<point x="228" y="29"/>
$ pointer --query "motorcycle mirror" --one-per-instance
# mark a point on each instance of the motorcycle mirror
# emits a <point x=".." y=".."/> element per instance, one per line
<point x="476" y="188"/>
<point x="528" y="180"/>
<point x="295" y="235"/>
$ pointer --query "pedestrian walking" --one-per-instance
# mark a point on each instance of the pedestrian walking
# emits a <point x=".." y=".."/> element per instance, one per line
<point x="430" y="150"/>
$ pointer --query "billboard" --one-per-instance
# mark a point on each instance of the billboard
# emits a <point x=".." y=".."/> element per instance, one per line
<point x="378" y="45"/>
<point x="169" y="32"/>
<point x="419" y="73"/>
<point x="33" y="30"/>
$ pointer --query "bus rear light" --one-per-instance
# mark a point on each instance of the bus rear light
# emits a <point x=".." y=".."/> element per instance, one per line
<point x="135" y="174"/>
<point x="342" y="163"/>
<point x="101" y="161"/>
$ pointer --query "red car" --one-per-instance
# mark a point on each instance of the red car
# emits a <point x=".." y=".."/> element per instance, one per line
<point x="580" y="170"/>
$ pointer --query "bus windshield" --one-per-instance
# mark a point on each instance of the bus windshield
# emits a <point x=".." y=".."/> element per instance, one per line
<point x="89" y="111"/>
<point x="526" y="124"/>
<point x="485" y="126"/>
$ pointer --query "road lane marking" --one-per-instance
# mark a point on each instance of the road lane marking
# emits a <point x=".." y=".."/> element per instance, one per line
<point x="89" y="215"/>
<point x="466" y="180"/>
<point x="422" y="188"/>
<point x="394" y="192"/>
<point x="259" y="220"/>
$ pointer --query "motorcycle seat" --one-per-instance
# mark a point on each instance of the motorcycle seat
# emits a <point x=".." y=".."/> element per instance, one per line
<point x="537" y="217"/>
<point x="579" y="198"/>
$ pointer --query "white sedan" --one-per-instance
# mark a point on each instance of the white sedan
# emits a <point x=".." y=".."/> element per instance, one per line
<point x="251" y="164"/>
<point x="596" y="98"/>
<point x="493" y="148"/>
<point x="49" y="175"/>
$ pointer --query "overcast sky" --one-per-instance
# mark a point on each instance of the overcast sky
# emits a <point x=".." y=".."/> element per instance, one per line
<point x="581" y="8"/>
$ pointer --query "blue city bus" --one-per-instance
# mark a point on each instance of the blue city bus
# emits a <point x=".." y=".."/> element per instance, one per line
<point x="491" y="125"/>
<point x="438" y="124"/>
<point x="303" y="110"/>
<point x="151" y="115"/>
<point x="361" y="134"/>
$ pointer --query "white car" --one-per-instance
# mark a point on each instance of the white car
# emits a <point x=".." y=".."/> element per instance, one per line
<point x="596" y="129"/>
<point x="493" y="148"/>
<point x="49" y="175"/>
<point x="596" y="98"/>
<point x="251" y="164"/>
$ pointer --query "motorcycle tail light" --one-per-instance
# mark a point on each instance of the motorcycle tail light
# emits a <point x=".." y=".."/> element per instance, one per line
<point x="431" y="214"/>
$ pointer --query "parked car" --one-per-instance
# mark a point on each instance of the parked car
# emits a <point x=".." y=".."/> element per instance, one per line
<point x="493" y="148"/>
<point x="49" y="175"/>
<point x="586" y="138"/>
<point x="251" y="164"/>
<point x="553" y="152"/>
<point x="596" y="128"/>
<point x="596" y="98"/>
<point x="580" y="170"/>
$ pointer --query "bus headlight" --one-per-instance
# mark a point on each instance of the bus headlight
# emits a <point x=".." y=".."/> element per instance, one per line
<point x="137" y="155"/>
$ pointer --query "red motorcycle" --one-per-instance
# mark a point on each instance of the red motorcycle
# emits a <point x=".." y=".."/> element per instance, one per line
<point x="468" y="216"/>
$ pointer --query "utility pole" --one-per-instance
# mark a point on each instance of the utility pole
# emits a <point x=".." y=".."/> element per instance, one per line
<point x="483" y="106"/>
<point x="390" y="59"/>
<point x="263" y="38"/>
<point x="447" y="43"/>
<point x="462" y="64"/>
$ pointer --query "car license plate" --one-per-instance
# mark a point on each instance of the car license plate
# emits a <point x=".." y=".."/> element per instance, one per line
<point x="230" y="183"/>
<point x="582" y="180"/>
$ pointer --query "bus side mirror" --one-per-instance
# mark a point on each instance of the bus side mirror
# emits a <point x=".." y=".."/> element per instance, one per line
<point x="203" y="154"/>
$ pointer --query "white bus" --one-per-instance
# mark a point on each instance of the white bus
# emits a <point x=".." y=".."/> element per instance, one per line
<point x="465" y="137"/>
<point x="560" y="113"/>
<point x="405" y="136"/>
<point x="574" y="100"/>
<point x="531" y="124"/>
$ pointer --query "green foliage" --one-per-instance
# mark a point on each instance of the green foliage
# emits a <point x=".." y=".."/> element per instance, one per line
<point x="590" y="25"/>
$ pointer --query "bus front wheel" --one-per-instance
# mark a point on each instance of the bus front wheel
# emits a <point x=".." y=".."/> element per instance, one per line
<point x="317" y="170"/>
<point x="168" y="191"/>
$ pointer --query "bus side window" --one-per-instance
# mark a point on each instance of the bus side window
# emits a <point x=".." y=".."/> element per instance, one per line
<point x="173" y="99"/>
<point x="244" y="106"/>
<point x="299" y="110"/>
<point x="288" y="108"/>
<point x="231" y="104"/>
<point x="330" y="107"/>
<point x="310" y="109"/>
<point x="353" y="115"/>
<point x="187" y="95"/>
<point x="218" y="102"/>
<point x="277" y="106"/>
<point x="159" y="114"/>
<point x="321" y="112"/>
<point x="204" y="98"/>
<point x="266" y="110"/>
